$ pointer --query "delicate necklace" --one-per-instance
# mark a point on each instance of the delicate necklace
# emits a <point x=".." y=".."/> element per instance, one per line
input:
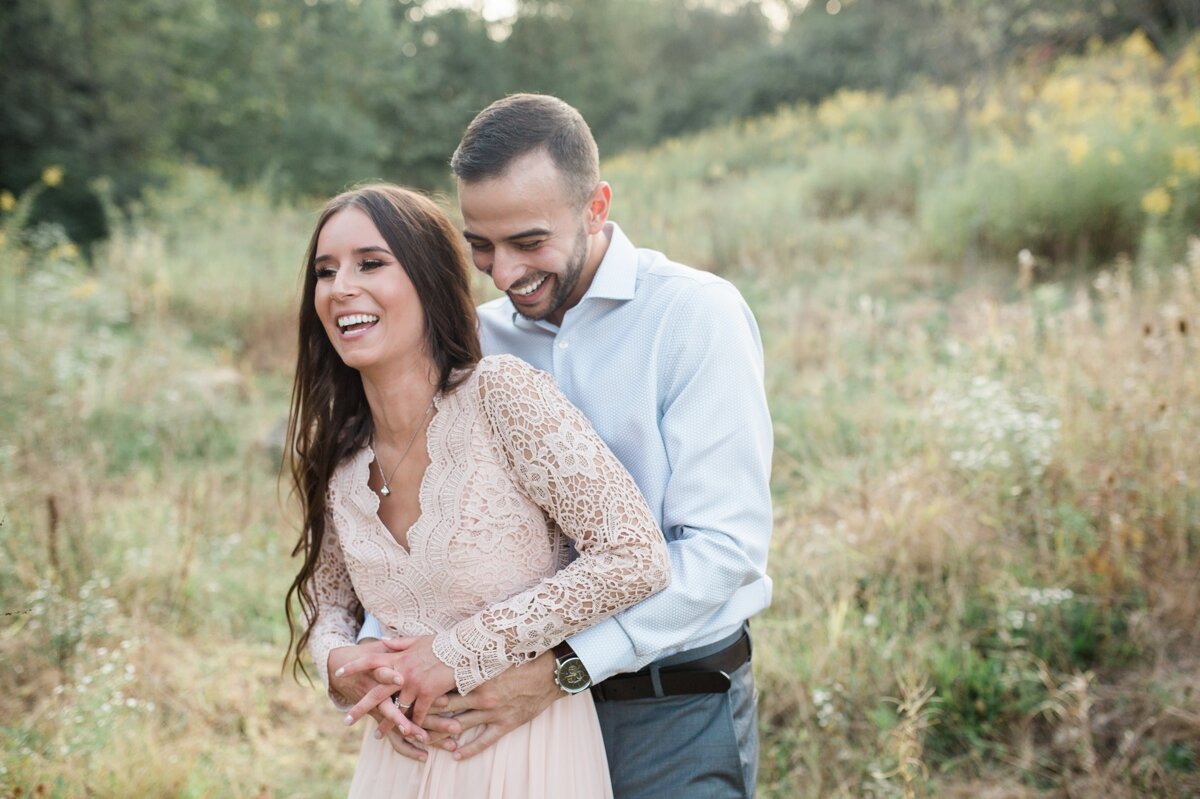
<point x="420" y="424"/>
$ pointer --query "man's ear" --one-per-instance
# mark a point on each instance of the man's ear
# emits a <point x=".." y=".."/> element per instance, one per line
<point x="597" y="207"/>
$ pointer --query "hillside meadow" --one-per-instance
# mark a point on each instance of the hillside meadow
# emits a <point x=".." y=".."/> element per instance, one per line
<point x="979" y="308"/>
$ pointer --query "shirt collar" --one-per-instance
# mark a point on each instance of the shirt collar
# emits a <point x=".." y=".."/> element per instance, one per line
<point x="615" y="278"/>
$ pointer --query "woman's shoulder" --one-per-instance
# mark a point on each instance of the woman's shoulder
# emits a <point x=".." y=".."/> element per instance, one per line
<point x="503" y="363"/>
<point x="499" y="378"/>
<point x="342" y="479"/>
<point x="503" y="368"/>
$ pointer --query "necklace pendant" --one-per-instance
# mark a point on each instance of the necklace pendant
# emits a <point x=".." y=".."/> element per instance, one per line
<point x="383" y="492"/>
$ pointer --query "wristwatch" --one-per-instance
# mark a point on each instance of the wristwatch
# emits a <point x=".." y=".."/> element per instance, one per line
<point x="569" y="672"/>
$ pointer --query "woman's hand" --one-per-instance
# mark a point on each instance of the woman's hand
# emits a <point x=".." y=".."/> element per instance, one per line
<point x="379" y="702"/>
<point x="411" y="666"/>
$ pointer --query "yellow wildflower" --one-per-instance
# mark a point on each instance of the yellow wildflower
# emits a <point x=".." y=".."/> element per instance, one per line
<point x="1186" y="159"/>
<point x="1189" y="116"/>
<point x="830" y="114"/>
<point x="1187" y="64"/>
<point x="1064" y="93"/>
<point x="7" y="201"/>
<point x="1005" y="152"/>
<point x="52" y="176"/>
<point x="946" y="98"/>
<point x="1114" y="156"/>
<point x="65" y="252"/>
<point x="1138" y="47"/>
<point x="85" y="289"/>
<point x="1156" y="202"/>
<point x="991" y="113"/>
<point x="1077" y="147"/>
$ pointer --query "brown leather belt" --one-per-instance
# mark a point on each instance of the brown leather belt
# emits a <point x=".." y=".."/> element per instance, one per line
<point x="706" y="675"/>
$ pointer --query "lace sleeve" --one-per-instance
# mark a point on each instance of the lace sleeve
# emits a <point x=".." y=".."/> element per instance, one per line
<point x="337" y="606"/>
<point x="564" y="466"/>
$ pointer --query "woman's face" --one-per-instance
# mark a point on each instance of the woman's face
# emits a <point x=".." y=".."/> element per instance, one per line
<point x="363" y="296"/>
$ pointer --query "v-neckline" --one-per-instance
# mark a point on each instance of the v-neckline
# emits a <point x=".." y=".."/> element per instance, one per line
<point x="369" y="453"/>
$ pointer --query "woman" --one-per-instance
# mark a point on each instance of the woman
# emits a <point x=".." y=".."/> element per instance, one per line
<point x="439" y="492"/>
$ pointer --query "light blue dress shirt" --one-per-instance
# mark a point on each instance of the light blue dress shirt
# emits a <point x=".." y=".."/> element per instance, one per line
<point x="666" y="362"/>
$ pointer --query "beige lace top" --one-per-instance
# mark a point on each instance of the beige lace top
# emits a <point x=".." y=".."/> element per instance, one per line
<point x="515" y="471"/>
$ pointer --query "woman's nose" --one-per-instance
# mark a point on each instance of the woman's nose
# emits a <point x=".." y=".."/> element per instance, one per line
<point x="344" y="283"/>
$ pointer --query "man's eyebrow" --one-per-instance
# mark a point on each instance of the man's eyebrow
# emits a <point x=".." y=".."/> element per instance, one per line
<point x="524" y="234"/>
<point x="357" y="251"/>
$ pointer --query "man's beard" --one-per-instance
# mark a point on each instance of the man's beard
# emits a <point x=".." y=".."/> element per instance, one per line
<point x="566" y="281"/>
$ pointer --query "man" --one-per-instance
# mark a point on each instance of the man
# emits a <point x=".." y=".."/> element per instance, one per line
<point x="666" y="362"/>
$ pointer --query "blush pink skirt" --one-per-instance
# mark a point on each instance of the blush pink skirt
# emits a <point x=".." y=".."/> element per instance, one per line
<point x="558" y="755"/>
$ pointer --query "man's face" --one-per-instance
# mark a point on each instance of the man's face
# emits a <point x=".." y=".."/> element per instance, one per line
<point x="527" y="234"/>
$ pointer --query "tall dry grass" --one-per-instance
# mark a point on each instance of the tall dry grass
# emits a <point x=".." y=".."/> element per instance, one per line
<point x="987" y="488"/>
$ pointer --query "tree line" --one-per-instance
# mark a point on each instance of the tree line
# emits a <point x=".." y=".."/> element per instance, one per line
<point x="307" y="96"/>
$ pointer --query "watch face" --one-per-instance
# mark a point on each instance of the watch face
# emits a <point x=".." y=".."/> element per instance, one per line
<point x="572" y="676"/>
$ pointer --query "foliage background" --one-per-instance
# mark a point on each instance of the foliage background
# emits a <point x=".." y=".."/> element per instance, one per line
<point x="967" y="231"/>
<point x="309" y="95"/>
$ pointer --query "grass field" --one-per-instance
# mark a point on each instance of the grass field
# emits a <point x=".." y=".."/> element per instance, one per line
<point x="987" y="474"/>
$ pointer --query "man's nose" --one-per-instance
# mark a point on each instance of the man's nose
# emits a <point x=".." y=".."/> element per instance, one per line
<point x="506" y="269"/>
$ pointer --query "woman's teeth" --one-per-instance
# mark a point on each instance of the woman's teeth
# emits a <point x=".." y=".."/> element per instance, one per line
<point x="356" y="319"/>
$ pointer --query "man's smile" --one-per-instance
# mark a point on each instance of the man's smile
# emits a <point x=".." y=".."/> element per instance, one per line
<point x="529" y="288"/>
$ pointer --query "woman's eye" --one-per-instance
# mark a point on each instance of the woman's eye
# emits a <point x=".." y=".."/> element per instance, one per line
<point x="324" y="272"/>
<point x="369" y="263"/>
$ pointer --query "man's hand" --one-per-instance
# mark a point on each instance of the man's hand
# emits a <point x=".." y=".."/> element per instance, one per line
<point x="504" y="703"/>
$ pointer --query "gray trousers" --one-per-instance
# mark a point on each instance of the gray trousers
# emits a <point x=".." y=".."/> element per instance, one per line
<point x="703" y="746"/>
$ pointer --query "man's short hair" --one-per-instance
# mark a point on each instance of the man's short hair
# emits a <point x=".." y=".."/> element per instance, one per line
<point x="521" y="123"/>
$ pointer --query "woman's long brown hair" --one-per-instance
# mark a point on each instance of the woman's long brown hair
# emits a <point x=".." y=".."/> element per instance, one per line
<point x="329" y="417"/>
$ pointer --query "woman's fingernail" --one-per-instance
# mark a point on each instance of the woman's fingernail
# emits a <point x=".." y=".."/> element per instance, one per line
<point x="340" y="672"/>
<point x="348" y="720"/>
<point x="378" y="735"/>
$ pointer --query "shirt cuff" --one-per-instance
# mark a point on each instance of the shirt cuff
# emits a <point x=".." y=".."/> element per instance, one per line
<point x="605" y="650"/>
<point x="371" y="628"/>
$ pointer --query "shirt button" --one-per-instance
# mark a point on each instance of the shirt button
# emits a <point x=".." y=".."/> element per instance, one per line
<point x="562" y="345"/>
